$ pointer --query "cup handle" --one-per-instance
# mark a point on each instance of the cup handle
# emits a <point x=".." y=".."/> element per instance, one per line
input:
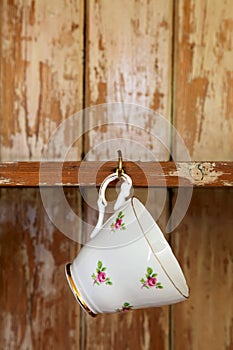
<point x="121" y="199"/>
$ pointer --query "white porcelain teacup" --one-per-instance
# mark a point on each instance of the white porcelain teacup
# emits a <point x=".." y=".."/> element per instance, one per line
<point x="127" y="264"/>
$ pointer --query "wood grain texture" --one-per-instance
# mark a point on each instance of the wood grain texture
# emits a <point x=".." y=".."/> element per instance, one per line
<point x="128" y="60"/>
<point x="92" y="174"/>
<point x="131" y="55"/>
<point x="203" y="78"/>
<point x="37" y="307"/>
<point x="204" y="245"/>
<point x="136" y="330"/>
<point x="203" y="114"/>
<point x="41" y="74"/>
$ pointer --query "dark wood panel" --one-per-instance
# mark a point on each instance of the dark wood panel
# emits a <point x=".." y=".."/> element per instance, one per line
<point x="141" y="329"/>
<point x="203" y="244"/>
<point x="38" y="310"/>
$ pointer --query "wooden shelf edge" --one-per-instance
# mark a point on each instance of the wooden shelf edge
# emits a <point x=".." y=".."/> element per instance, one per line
<point x="143" y="174"/>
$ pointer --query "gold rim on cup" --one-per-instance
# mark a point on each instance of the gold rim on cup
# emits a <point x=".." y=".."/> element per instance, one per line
<point x="76" y="292"/>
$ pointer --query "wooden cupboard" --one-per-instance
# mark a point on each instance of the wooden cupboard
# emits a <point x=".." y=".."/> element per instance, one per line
<point x="59" y="57"/>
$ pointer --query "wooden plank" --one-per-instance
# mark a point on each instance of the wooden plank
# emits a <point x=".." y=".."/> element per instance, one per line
<point x="41" y="75"/>
<point x="204" y="246"/>
<point x="128" y="61"/>
<point x="143" y="174"/>
<point x="203" y="78"/>
<point x="136" y="330"/>
<point x="37" y="308"/>
<point x="203" y="85"/>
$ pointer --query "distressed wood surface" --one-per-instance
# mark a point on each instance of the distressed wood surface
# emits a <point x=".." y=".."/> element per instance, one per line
<point x="203" y="114"/>
<point x="128" y="60"/>
<point x="136" y="330"/>
<point x="143" y="174"/>
<point x="204" y="246"/>
<point x="203" y="78"/>
<point x="41" y="73"/>
<point x="131" y="55"/>
<point x="37" y="307"/>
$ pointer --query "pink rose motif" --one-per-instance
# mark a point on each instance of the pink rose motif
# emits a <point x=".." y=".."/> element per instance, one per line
<point x="125" y="307"/>
<point x="101" y="277"/>
<point x="151" y="281"/>
<point x="118" y="223"/>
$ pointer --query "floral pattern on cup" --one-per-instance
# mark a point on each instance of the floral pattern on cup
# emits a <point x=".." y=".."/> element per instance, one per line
<point x="100" y="277"/>
<point x="151" y="280"/>
<point x="118" y="224"/>
<point x="125" y="307"/>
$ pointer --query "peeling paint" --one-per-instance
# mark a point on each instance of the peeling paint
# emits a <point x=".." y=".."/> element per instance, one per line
<point x="5" y="181"/>
<point x="204" y="115"/>
<point x="203" y="245"/>
<point x="197" y="173"/>
<point x="46" y="264"/>
<point x="227" y="183"/>
<point x="40" y="54"/>
<point x="125" y="69"/>
<point x="145" y="341"/>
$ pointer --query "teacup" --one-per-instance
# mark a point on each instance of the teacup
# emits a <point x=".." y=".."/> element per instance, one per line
<point x="127" y="264"/>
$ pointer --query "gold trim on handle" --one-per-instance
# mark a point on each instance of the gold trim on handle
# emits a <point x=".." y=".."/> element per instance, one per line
<point x="76" y="292"/>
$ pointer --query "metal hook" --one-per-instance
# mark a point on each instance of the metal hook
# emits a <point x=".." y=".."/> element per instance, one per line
<point x="119" y="170"/>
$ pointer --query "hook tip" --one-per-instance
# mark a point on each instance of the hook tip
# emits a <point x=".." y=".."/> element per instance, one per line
<point x="119" y="169"/>
<point x="119" y="153"/>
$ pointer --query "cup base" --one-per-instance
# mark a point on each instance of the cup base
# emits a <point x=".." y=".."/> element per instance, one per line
<point x="75" y="291"/>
